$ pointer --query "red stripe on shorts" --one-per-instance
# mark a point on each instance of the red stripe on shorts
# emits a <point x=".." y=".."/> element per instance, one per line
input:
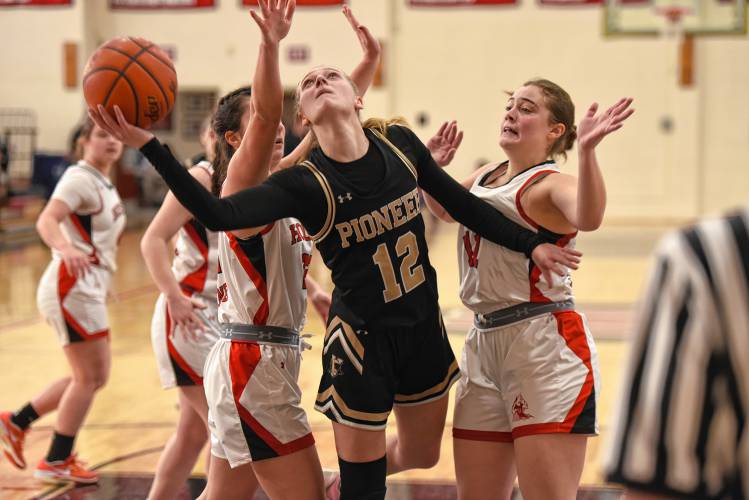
<point x="243" y="359"/>
<point x="65" y="283"/>
<point x="174" y="354"/>
<point x="570" y="326"/>
<point x="491" y="436"/>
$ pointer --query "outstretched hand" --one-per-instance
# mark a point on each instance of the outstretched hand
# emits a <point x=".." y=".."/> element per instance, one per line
<point x="550" y="258"/>
<point x="445" y="143"/>
<point x="594" y="127"/>
<point x="275" y="21"/>
<point x="369" y="44"/>
<point x="119" y="128"/>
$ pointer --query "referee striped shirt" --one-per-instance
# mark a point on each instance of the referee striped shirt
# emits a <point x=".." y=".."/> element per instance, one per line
<point x="680" y="426"/>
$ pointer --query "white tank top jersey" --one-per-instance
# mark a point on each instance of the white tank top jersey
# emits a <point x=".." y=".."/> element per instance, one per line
<point x="97" y="216"/>
<point x="493" y="277"/>
<point x="261" y="279"/>
<point x="196" y="256"/>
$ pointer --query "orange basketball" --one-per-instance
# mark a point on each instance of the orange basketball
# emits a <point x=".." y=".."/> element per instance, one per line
<point x="134" y="74"/>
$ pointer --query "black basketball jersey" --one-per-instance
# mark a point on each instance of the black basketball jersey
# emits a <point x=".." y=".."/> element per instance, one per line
<point x="373" y="241"/>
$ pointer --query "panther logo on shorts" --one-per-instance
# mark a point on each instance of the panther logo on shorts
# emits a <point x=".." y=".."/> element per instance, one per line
<point x="335" y="366"/>
<point x="520" y="409"/>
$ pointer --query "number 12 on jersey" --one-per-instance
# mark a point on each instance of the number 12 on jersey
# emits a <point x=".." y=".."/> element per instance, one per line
<point x="408" y="248"/>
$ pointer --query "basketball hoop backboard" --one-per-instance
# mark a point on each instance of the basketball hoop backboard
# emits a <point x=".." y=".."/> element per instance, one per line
<point x="694" y="17"/>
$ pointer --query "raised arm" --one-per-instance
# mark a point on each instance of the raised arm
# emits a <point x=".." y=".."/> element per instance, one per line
<point x="251" y="161"/>
<point x="365" y="71"/>
<point x="156" y="252"/>
<point x="583" y="202"/>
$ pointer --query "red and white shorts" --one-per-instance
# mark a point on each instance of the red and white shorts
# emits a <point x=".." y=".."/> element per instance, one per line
<point x="537" y="376"/>
<point x="254" y="401"/>
<point x="75" y="307"/>
<point x="180" y="358"/>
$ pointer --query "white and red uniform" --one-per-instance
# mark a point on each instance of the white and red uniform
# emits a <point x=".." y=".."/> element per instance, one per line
<point x="254" y="400"/>
<point x="179" y="358"/>
<point x="76" y="307"/>
<point x="538" y="374"/>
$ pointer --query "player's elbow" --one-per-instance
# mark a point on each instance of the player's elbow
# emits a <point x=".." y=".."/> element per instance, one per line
<point x="590" y="223"/>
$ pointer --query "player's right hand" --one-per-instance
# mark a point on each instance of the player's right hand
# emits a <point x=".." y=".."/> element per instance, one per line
<point x="182" y="310"/>
<point x="117" y="126"/>
<point x="275" y="21"/>
<point x="76" y="262"/>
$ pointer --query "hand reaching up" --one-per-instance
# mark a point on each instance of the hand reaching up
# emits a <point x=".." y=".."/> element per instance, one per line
<point x="274" y="19"/>
<point x="594" y="127"/>
<point x="369" y="44"/>
<point x="445" y="143"/>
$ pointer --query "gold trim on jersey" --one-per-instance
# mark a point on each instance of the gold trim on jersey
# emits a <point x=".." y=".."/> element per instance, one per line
<point x="328" y="192"/>
<point x="330" y="392"/>
<point x="398" y="152"/>
<point x="437" y="390"/>
<point x="342" y="331"/>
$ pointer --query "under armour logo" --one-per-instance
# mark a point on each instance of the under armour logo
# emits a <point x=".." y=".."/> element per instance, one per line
<point x="342" y="198"/>
<point x="264" y="335"/>
<point x="522" y="312"/>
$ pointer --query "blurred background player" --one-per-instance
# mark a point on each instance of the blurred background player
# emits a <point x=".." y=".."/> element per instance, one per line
<point x="82" y="224"/>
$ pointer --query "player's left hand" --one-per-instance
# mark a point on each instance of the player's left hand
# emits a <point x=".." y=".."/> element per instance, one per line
<point x="321" y="302"/>
<point x="445" y="143"/>
<point x="369" y="44"/>
<point x="275" y="21"/>
<point x="552" y="259"/>
<point x="118" y="127"/>
<point x="594" y="127"/>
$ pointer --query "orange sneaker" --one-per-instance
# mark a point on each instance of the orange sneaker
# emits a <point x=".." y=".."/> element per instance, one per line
<point x="12" y="437"/>
<point x="67" y="470"/>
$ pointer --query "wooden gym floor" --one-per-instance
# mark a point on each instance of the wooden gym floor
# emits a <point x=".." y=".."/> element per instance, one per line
<point x="132" y="417"/>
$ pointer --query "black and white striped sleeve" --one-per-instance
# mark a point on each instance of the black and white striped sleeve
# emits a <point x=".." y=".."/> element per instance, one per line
<point x="679" y="428"/>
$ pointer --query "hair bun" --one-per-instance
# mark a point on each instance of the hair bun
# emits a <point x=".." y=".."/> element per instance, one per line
<point x="571" y="138"/>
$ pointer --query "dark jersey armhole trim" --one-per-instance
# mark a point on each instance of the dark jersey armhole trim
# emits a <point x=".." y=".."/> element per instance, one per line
<point x="328" y="192"/>
<point x="398" y="152"/>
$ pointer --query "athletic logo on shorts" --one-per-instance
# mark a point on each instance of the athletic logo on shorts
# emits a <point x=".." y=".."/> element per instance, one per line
<point x="520" y="409"/>
<point x="335" y="366"/>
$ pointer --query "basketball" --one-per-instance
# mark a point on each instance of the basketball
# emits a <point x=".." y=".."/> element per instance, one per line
<point x="135" y="75"/>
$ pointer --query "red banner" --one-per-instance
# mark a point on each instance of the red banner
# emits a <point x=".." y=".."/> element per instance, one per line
<point x="458" y="3"/>
<point x="303" y="3"/>
<point x="34" y="3"/>
<point x="160" y="4"/>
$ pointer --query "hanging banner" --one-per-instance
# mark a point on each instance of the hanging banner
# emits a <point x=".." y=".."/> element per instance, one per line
<point x="303" y="3"/>
<point x="160" y="4"/>
<point x="34" y="3"/>
<point x="458" y="3"/>
<point x="564" y="3"/>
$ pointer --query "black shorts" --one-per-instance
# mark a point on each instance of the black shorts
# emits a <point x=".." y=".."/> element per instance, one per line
<point x="366" y="371"/>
